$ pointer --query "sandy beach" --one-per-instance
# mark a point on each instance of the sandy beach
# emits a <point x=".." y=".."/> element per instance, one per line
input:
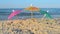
<point x="30" y="26"/>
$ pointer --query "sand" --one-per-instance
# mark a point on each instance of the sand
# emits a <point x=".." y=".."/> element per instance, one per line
<point x="30" y="26"/>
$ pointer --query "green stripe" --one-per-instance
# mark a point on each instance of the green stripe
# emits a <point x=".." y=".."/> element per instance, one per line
<point x="47" y="14"/>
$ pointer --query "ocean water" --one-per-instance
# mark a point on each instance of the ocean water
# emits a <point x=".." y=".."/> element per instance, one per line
<point x="4" y="13"/>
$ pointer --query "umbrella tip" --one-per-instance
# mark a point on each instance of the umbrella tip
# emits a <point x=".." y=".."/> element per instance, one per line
<point x="47" y="10"/>
<point x="13" y="10"/>
<point x="31" y="5"/>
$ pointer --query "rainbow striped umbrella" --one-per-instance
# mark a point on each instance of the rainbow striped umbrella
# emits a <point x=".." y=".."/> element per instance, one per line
<point x="32" y="9"/>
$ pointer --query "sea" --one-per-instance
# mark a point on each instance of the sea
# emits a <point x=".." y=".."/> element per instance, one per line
<point x="5" y="12"/>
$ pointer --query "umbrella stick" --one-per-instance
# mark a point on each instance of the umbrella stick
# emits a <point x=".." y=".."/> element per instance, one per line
<point x="31" y="14"/>
<point x="44" y="16"/>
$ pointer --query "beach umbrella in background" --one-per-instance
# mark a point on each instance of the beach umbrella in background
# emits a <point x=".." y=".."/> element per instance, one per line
<point x="32" y="9"/>
<point x="14" y="13"/>
<point x="46" y="14"/>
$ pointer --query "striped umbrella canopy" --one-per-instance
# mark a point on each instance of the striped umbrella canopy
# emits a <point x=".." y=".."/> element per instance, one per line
<point x="32" y="9"/>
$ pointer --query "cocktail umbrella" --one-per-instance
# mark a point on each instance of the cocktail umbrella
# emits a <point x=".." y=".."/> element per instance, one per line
<point x="15" y="12"/>
<point x="32" y="9"/>
<point x="46" y="14"/>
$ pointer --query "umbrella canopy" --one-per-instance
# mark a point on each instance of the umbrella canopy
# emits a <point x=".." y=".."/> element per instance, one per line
<point x="15" y="12"/>
<point x="47" y="15"/>
<point x="31" y="8"/>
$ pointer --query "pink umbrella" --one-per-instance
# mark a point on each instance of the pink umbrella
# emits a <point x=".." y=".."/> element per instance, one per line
<point x="15" y="12"/>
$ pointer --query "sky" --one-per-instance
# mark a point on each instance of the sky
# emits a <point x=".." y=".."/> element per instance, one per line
<point x="26" y="3"/>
